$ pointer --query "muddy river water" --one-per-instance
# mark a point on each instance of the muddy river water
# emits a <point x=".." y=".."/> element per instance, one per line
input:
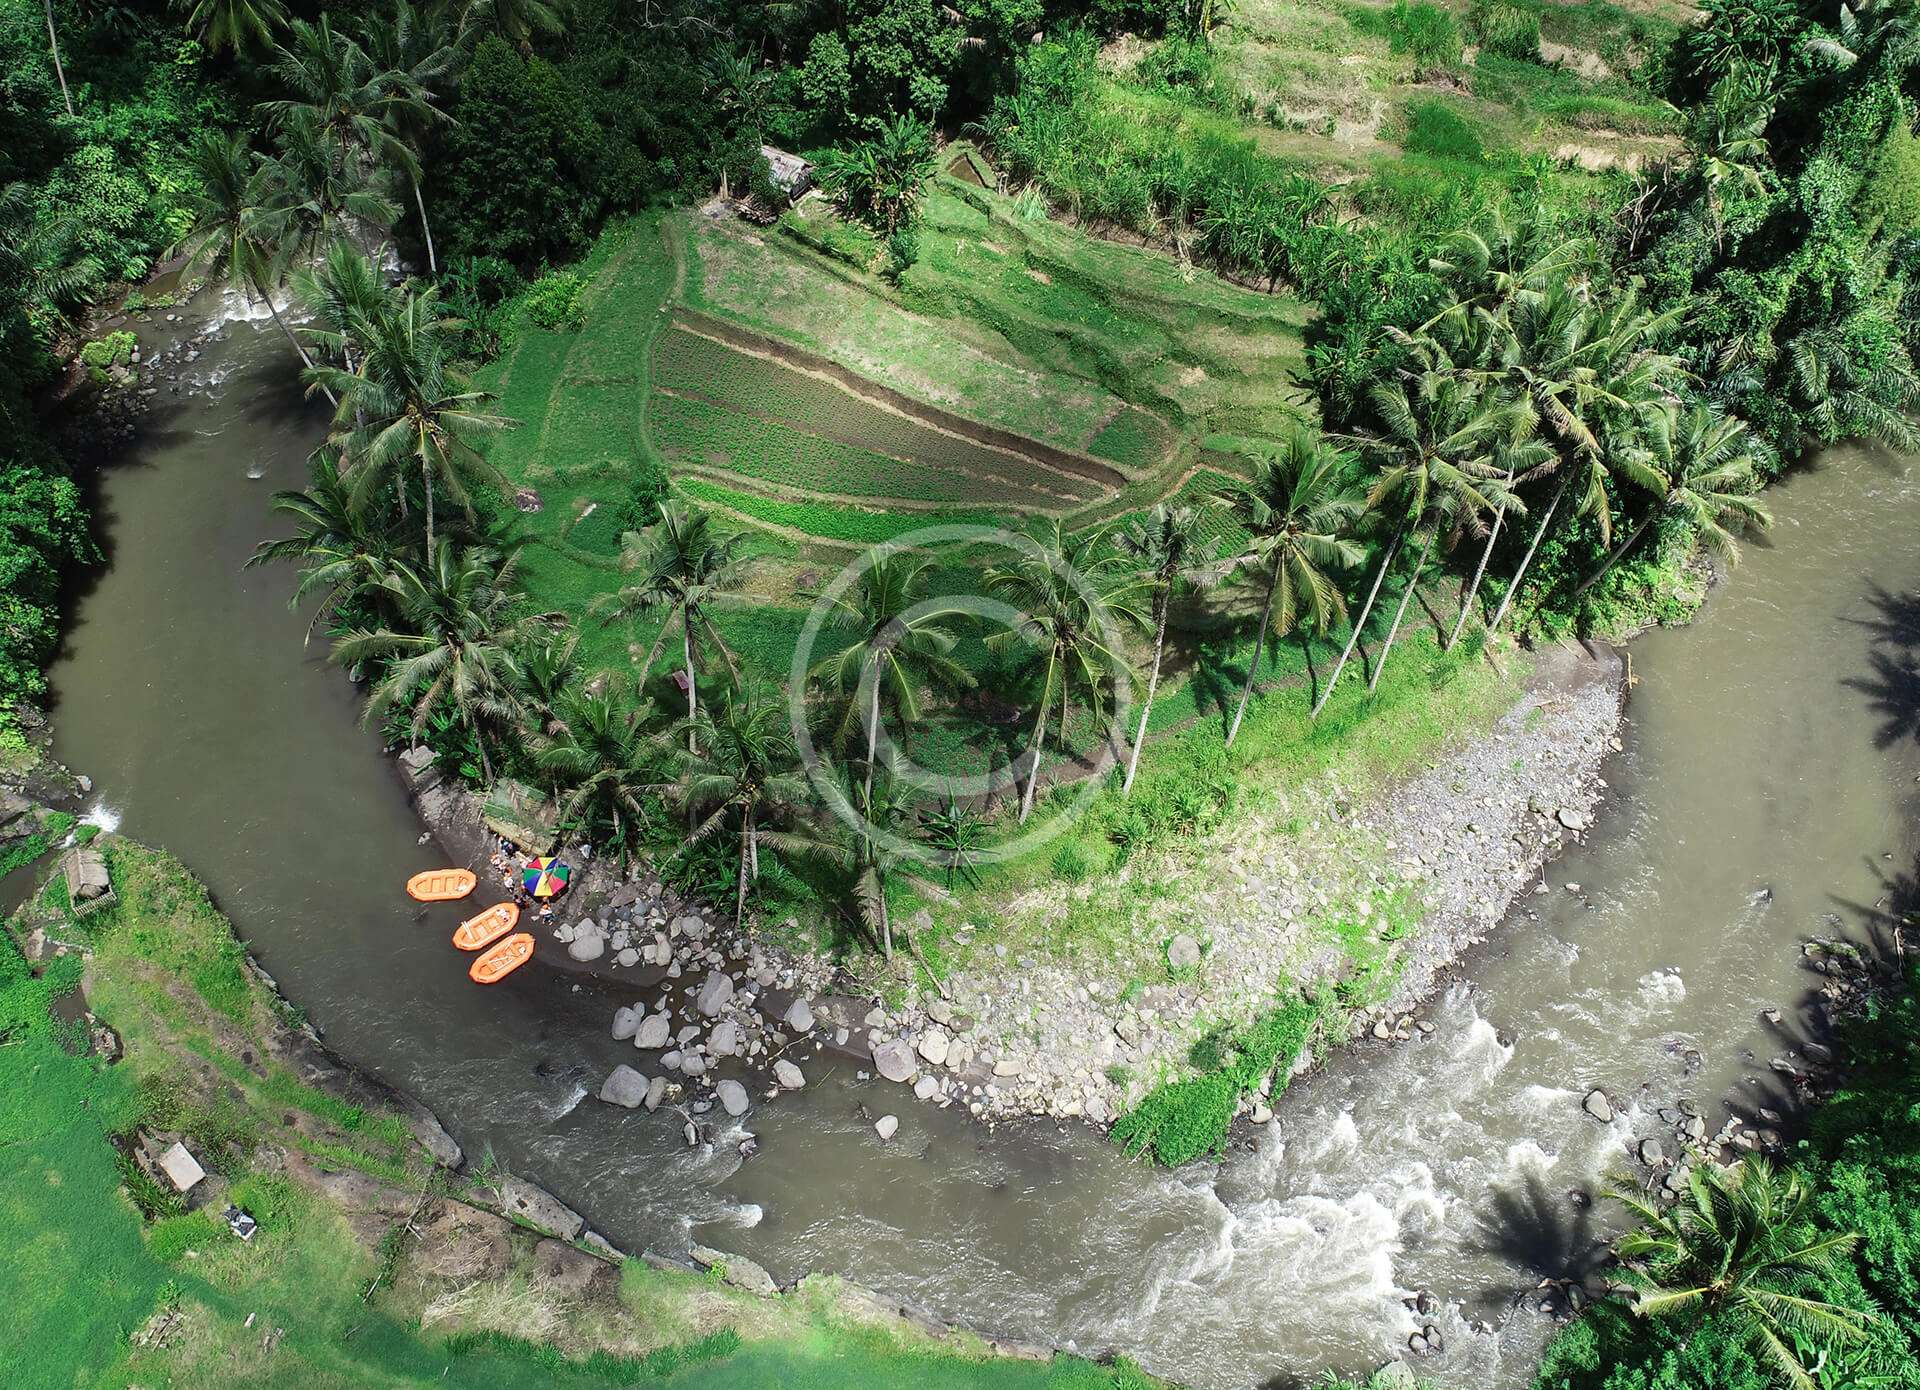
<point x="1765" y="793"/>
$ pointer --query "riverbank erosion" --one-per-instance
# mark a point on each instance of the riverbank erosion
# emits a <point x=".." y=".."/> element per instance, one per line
<point x="1356" y="886"/>
<point x="211" y="1194"/>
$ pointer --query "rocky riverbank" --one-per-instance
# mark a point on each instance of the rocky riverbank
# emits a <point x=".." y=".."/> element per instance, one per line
<point x="1424" y="867"/>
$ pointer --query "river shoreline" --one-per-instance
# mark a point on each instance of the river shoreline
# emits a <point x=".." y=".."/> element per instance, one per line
<point x="1018" y="1037"/>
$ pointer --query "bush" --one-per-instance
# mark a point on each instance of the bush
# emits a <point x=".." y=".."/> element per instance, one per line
<point x="1505" y="30"/>
<point x="553" y="301"/>
<point x="103" y="354"/>
<point x="1427" y="33"/>
<point x="1437" y="129"/>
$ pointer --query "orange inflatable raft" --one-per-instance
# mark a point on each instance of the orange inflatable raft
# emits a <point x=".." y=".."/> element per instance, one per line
<point x="498" y="962"/>
<point x="441" y="885"/>
<point x="489" y="926"/>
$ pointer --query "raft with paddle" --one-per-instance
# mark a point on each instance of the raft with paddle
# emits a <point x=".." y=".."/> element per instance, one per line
<point x="441" y="885"/>
<point x="489" y="926"/>
<point x="498" y="962"/>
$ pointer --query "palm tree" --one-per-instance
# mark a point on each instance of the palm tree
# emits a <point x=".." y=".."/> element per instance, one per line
<point x="1442" y="436"/>
<point x="1700" y="466"/>
<point x="604" y="760"/>
<point x="450" y="642"/>
<point x="236" y="25"/>
<point x="517" y="20"/>
<point x="1591" y="377"/>
<point x="898" y="641"/>
<point x="548" y="671"/>
<point x="59" y="68"/>
<point x="1741" y="1243"/>
<point x="344" y="553"/>
<point x="38" y="263"/>
<point x="1298" y="511"/>
<point x="1170" y="547"/>
<point x="871" y="862"/>
<point x="1072" y="594"/>
<point x="415" y="57"/>
<point x="233" y="233"/>
<point x="682" y="566"/>
<point x="313" y="186"/>
<point x="407" y="407"/>
<point x="748" y="774"/>
<point x="347" y="298"/>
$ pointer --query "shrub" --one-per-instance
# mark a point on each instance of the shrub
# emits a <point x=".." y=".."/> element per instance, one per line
<point x="1427" y="33"/>
<point x="553" y="301"/>
<point x="103" y="354"/>
<point x="1437" y="129"/>
<point x="1505" y="30"/>
<point x="647" y="487"/>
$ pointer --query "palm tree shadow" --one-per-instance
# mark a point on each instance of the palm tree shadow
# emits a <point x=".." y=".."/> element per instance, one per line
<point x="1545" y="1232"/>
<point x="1892" y="684"/>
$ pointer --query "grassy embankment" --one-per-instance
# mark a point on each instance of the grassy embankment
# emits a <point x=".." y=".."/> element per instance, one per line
<point x="108" y="1281"/>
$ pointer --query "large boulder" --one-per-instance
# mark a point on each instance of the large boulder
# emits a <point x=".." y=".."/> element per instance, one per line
<point x="656" y="1092"/>
<point x="933" y="1046"/>
<point x="725" y="1038"/>
<point x="893" y="1059"/>
<point x="733" y="1097"/>
<point x="626" y="1022"/>
<point x="624" y="1086"/>
<point x="1183" y="952"/>
<point x="714" y="993"/>
<point x="1597" y="1105"/>
<point x="540" y="1209"/>
<point x="655" y="1032"/>
<point x="886" y="1126"/>
<point x="788" y="1075"/>
<point x="800" y="1017"/>
<point x="587" y="944"/>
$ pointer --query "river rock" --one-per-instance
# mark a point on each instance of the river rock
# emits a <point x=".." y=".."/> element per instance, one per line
<point x="737" y="1270"/>
<point x="789" y="1076"/>
<point x="800" y="1017"/>
<point x="1575" y="821"/>
<point x="587" y="944"/>
<point x="886" y="1126"/>
<point x="1651" y="1153"/>
<point x="624" y="1086"/>
<point x="725" y="1041"/>
<point x="715" y="991"/>
<point x="733" y="1097"/>
<point x="626" y="1022"/>
<point x="656" y="1092"/>
<point x="628" y="957"/>
<point x="926" y="1088"/>
<point x="1006" y="1066"/>
<point x="690" y="925"/>
<point x="540" y="1209"/>
<point x="655" y="1032"/>
<point x="893" y="1059"/>
<point x="933" y="1046"/>
<point x="1597" y="1105"/>
<point x="1183" y="952"/>
<point x="693" y="1064"/>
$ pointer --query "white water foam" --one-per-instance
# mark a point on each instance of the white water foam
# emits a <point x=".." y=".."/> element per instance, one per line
<point x="566" y="1107"/>
<point x="101" y="814"/>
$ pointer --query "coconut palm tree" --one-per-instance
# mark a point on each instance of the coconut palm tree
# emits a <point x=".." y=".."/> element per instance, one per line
<point x="347" y="299"/>
<point x="548" y="670"/>
<point x="1442" y="438"/>
<point x="1299" y="511"/>
<point x="344" y="552"/>
<point x="1072" y="594"/>
<point x="406" y="407"/>
<point x="871" y="863"/>
<point x="414" y="55"/>
<point x="898" y="641"/>
<point x="605" y="760"/>
<point x="1700" y="467"/>
<point x="748" y="775"/>
<point x="236" y="25"/>
<point x="234" y="232"/>
<point x="451" y="640"/>
<point x="1592" y="377"/>
<point x="59" y="68"/>
<point x="315" y="188"/>
<point x="1741" y="1243"/>
<point x="1169" y="547"/>
<point x="39" y="267"/>
<point x="680" y="565"/>
<point x="516" y="20"/>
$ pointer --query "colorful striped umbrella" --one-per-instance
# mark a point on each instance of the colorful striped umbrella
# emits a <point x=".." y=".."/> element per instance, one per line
<point x="545" y="878"/>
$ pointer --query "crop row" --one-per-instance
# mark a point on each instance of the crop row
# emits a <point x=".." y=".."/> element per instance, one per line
<point x="691" y="364"/>
<point x="828" y="520"/>
<point x="698" y="432"/>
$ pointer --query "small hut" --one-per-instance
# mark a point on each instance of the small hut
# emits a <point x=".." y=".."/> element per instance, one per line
<point x="791" y="174"/>
<point x="89" y="887"/>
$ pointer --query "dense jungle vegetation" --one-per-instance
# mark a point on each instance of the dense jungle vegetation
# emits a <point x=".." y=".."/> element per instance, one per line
<point x="1532" y="390"/>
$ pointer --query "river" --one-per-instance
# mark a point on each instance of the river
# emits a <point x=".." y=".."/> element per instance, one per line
<point x="1765" y="790"/>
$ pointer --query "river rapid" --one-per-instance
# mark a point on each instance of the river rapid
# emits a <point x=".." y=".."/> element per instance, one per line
<point x="1765" y="793"/>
